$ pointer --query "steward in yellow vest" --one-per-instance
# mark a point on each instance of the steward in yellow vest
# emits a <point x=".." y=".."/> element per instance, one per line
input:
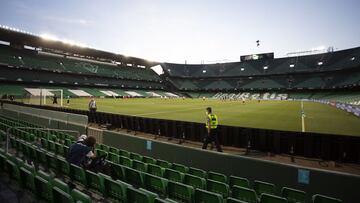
<point x="211" y="128"/>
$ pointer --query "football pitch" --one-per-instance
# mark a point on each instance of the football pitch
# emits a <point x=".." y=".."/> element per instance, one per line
<point x="279" y="115"/>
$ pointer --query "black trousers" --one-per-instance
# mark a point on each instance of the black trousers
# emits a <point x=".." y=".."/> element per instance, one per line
<point x="212" y="137"/>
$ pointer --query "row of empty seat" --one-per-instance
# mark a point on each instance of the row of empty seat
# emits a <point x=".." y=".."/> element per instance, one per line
<point x="133" y="178"/>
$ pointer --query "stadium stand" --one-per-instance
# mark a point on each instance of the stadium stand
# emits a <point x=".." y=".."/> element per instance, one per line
<point x="36" y="163"/>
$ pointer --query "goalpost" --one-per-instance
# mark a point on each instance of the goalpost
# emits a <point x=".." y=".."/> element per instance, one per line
<point x="45" y="96"/>
<point x="49" y="94"/>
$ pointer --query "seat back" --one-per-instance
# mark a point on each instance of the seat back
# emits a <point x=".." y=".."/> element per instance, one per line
<point x="181" y="192"/>
<point x="293" y="196"/>
<point x="206" y="196"/>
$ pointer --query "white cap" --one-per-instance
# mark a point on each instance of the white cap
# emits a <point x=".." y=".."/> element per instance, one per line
<point x="82" y="138"/>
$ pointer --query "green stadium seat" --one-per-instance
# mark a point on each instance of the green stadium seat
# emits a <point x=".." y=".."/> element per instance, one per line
<point x="44" y="175"/>
<point x="77" y="174"/>
<point x="174" y="175"/>
<point x="155" y="170"/>
<point x="100" y="152"/>
<point x="124" y="153"/>
<point x="149" y="160"/>
<point x="217" y="187"/>
<point x="27" y="179"/>
<point x="268" y="198"/>
<point x="179" y="167"/>
<point x="41" y="156"/>
<point x="2" y="162"/>
<point x="139" y="165"/>
<point x="244" y="194"/>
<point x="197" y="172"/>
<point x="135" y="156"/>
<point x="114" y="150"/>
<point x="207" y="196"/>
<point x="134" y="177"/>
<point x="43" y="188"/>
<point x="51" y="160"/>
<point x="155" y="184"/>
<point x="242" y="182"/>
<point x="117" y="171"/>
<point x="104" y="147"/>
<point x="217" y="176"/>
<point x="113" y="157"/>
<point x="59" y="149"/>
<point x="324" y="199"/>
<point x="180" y="192"/>
<point x="293" y="196"/>
<point x="167" y="200"/>
<point x="195" y="181"/>
<point x="80" y="197"/>
<point x="261" y="187"/>
<point x="163" y="163"/>
<point x="68" y="142"/>
<point x="125" y="161"/>
<point x="134" y="195"/>
<point x="233" y="200"/>
<point x="60" y="196"/>
<point x="61" y="185"/>
<point x="151" y="194"/>
<point x="63" y="166"/>
<point x="94" y="181"/>
<point x="12" y="170"/>
<point x="51" y="146"/>
<point x="114" y="190"/>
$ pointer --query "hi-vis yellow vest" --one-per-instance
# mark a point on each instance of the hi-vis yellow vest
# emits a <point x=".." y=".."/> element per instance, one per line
<point x="213" y="121"/>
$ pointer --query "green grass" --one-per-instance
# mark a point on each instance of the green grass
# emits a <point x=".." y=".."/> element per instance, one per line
<point x="280" y="115"/>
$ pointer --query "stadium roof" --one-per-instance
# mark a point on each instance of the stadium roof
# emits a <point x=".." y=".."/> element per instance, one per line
<point x="24" y="38"/>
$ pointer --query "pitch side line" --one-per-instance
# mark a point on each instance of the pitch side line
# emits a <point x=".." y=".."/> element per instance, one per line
<point x="302" y="117"/>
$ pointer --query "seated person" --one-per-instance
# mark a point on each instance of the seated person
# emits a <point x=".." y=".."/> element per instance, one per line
<point x="81" y="152"/>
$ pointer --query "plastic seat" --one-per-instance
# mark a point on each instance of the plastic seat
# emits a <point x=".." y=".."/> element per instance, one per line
<point x="207" y="196"/>
<point x="261" y="187"/>
<point x="94" y="181"/>
<point x="43" y="188"/>
<point x="197" y="172"/>
<point x="135" y="195"/>
<point x="244" y="194"/>
<point x="135" y="156"/>
<point x="149" y="160"/>
<point x="63" y="166"/>
<point x="139" y="165"/>
<point x="163" y="163"/>
<point x="113" y="157"/>
<point x="124" y="153"/>
<point x="324" y="199"/>
<point x="179" y="167"/>
<point x="195" y="181"/>
<point x="134" y="177"/>
<point x="61" y="185"/>
<point x="269" y="198"/>
<point x="80" y="197"/>
<point x="117" y="171"/>
<point x="293" y="196"/>
<point x="78" y="174"/>
<point x="155" y="170"/>
<point x="180" y="192"/>
<point x="27" y="179"/>
<point x="217" y="177"/>
<point x="59" y="149"/>
<point x="114" y="190"/>
<point x="125" y="161"/>
<point x="242" y="182"/>
<point x="173" y="175"/>
<point x="60" y="196"/>
<point x="155" y="184"/>
<point x="114" y="150"/>
<point x="218" y="187"/>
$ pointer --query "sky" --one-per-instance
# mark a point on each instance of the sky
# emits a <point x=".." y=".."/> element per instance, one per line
<point x="195" y="31"/>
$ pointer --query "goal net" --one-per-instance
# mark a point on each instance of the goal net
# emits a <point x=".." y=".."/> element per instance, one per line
<point x="44" y="96"/>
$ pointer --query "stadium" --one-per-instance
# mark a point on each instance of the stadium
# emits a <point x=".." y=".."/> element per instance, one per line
<point x="289" y="126"/>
